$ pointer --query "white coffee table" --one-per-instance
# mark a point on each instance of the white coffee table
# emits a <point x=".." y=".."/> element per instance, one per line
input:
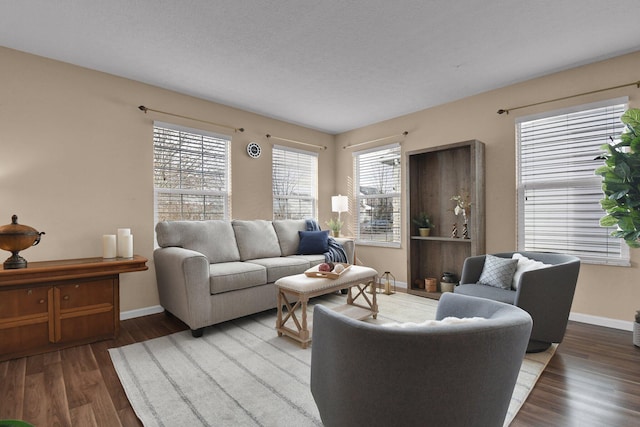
<point x="359" y="305"/>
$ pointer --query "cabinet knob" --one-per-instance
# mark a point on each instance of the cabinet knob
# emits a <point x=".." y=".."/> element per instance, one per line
<point x="66" y="297"/>
<point x="41" y="301"/>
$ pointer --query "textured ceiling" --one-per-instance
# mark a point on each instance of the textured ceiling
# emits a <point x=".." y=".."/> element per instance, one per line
<point x="329" y="65"/>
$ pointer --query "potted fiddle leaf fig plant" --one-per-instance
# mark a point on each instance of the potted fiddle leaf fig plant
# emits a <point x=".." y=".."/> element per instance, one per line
<point x="423" y="221"/>
<point x="621" y="181"/>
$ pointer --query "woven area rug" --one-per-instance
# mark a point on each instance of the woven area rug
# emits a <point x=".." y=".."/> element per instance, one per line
<point x="241" y="373"/>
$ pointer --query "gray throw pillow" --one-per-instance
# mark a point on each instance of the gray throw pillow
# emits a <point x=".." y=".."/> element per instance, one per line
<point x="498" y="272"/>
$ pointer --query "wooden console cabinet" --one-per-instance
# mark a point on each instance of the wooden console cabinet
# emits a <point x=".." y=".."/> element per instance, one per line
<point x="55" y="304"/>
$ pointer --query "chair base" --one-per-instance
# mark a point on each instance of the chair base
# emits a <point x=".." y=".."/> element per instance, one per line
<point x="537" y="346"/>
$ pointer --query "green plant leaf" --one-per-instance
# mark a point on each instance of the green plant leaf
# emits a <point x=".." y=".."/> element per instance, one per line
<point x="608" y="204"/>
<point x="623" y="171"/>
<point x="612" y="179"/>
<point x="631" y="117"/>
<point x="608" y="221"/>
<point x="602" y="170"/>
<point x="619" y="194"/>
<point x="635" y="144"/>
<point x="626" y="223"/>
<point x="633" y="243"/>
<point x="621" y="182"/>
<point x="625" y="141"/>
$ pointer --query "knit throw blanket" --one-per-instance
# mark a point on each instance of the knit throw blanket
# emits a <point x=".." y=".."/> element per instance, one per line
<point x="336" y="252"/>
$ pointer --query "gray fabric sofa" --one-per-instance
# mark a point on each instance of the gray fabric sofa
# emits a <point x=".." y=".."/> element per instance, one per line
<point x="545" y="293"/>
<point x="213" y="271"/>
<point x="364" y="374"/>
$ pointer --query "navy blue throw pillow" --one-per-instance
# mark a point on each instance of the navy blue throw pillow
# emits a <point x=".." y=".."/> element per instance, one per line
<point x="313" y="242"/>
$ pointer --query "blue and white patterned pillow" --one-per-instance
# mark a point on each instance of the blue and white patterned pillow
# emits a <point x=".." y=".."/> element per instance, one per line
<point x="498" y="272"/>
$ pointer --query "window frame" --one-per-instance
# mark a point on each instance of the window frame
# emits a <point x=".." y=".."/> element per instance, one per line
<point x="186" y="191"/>
<point x="396" y="227"/>
<point x="312" y="197"/>
<point x="595" y="247"/>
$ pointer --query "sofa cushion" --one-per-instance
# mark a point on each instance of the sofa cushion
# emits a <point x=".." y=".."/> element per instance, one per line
<point x="287" y="231"/>
<point x="312" y="259"/>
<point x="256" y="239"/>
<point x="313" y="242"/>
<point x="489" y="292"/>
<point x="214" y="239"/>
<point x="498" y="271"/>
<point x="281" y="266"/>
<point x="524" y="264"/>
<point x="231" y="276"/>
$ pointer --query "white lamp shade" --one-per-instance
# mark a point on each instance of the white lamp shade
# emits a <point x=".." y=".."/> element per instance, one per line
<point x="339" y="203"/>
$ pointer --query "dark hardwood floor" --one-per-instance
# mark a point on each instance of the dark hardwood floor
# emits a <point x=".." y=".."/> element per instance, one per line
<point x="593" y="380"/>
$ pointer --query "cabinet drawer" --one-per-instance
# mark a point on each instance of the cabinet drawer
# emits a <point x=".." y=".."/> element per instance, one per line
<point x="96" y="325"/>
<point x="86" y="293"/>
<point x="23" y="302"/>
<point x="26" y="337"/>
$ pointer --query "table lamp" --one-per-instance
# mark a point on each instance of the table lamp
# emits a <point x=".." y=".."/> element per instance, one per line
<point x="339" y="204"/>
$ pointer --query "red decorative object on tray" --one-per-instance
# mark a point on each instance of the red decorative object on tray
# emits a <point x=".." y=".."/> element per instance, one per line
<point x="333" y="274"/>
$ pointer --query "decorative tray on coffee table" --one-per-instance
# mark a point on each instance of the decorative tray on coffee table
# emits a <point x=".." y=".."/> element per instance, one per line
<point x="314" y="272"/>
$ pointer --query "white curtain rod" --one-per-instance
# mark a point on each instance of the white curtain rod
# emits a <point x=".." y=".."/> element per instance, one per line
<point x="320" y="147"/>
<point x="405" y="133"/>
<point x="145" y="109"/>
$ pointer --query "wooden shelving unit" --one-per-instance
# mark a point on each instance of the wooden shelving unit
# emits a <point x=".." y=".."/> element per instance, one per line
<point x="434" y="175"/>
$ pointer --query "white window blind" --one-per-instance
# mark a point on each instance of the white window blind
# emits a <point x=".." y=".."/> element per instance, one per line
<point x="558" y="193"/>
<point x="191" y="173"/>
<point x="295" y="183"/>
<point x="378" y="195"/>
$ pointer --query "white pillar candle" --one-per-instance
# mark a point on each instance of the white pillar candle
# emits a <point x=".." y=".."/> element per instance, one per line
<point x="121" y="233"/>
<point x="109" y="246"/>
<point x="127" y="246"/>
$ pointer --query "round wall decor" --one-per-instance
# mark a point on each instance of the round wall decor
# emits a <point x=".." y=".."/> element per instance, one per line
<point x="254" y="150"/>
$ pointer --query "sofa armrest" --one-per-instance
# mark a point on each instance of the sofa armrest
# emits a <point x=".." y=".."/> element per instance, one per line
<point x="182" y="276"/>
<point x="349" y="246"/>
<point x="472" y="269"/>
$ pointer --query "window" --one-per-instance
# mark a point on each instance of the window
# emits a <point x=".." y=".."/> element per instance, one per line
<point x="295" y="183"/>
<point x="378" y="195"/>
<point x="191" y="174"/>
<point x="558" y="193"/>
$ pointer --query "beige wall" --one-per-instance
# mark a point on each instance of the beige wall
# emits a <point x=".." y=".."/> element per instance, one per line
<point x="76" y="162"/>
<point x="610" y="292"/>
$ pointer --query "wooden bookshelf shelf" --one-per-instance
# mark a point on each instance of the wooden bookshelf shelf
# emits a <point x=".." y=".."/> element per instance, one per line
<point x="434" y="176"/>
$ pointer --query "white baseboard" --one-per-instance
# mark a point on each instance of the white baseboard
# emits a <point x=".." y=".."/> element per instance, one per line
<point x="139" y="312"/>
<point x="577" y="317"/>
<point x="582" y="318"/>
<point x="402" y="285"/>
<point x="602" y="321"/>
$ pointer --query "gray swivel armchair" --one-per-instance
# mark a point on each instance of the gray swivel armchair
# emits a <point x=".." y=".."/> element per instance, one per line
<point x="364" y="374"/>
<point x="546" y="294"/>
